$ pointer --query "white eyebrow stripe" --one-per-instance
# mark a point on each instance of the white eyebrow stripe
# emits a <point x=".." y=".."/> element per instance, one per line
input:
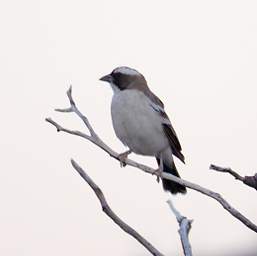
<point x="126" y="71"/>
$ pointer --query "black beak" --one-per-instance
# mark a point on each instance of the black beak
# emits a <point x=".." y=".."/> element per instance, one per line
<point x="107" y="78"/>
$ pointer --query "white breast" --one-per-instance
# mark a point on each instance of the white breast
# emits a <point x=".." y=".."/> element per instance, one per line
<point x="136" y="123"/>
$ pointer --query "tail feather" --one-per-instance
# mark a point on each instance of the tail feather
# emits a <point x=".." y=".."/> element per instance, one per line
<point x="169" y="185"/>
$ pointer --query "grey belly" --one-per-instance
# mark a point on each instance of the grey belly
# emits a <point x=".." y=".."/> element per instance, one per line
<point x="139" y="128"/>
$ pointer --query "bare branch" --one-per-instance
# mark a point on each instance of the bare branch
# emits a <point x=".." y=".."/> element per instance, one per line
<point x="94" y="138"/>
<point x="250" y="181"/>
<point x="184" y="228"/>
<point x="64" y="110"/>
<point x="82" y="117"/>
<point x="228" y="170"/>
<point x="61" y="129"/>
<point x="69" y="94"/>
<point x="108" y="211"/>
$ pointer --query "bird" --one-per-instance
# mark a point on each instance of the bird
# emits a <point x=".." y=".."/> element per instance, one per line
<point x="141" y="123"/>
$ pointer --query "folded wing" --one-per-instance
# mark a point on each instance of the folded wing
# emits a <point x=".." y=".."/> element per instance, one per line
<point x="169" y="131"/>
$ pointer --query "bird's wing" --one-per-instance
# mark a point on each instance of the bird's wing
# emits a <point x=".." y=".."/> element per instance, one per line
<point x="169" y="131"/>
<point x="174" y="142"/>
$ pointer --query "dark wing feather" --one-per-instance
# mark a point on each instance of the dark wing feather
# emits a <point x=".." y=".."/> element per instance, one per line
<point x="167" y="127"/>
<point x="174" y="142"/>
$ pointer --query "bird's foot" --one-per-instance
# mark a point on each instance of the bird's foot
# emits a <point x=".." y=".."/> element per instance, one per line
<point x="123" y="157"/>
<point x="158" y="173"/>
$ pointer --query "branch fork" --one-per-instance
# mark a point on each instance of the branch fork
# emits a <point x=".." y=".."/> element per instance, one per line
<point x="184" y="228"/>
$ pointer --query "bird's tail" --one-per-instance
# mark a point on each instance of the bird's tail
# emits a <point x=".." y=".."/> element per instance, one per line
<point x="169" y="185"/>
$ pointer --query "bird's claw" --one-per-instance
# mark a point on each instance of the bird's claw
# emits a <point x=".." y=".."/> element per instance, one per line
<point x="158" y="173"/>
<point x="123" y="157"/>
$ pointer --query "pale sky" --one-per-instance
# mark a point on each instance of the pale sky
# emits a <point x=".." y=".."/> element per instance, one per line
<point x="199" y="57"/>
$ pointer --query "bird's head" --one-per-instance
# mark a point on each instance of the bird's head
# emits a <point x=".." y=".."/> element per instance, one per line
<point x="123" y="78"/>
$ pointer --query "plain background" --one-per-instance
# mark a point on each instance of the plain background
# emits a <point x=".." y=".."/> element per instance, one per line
<point x="199" y="57"/>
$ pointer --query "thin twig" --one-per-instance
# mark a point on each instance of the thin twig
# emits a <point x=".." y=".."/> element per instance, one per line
<point x="61" y="129"/>
<point x="250" y="181"/>
<point x="94" y="138"/>
<point x="228" y="170"/>
<point x="184" y="228"/>
<point x="108" y="211"/>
